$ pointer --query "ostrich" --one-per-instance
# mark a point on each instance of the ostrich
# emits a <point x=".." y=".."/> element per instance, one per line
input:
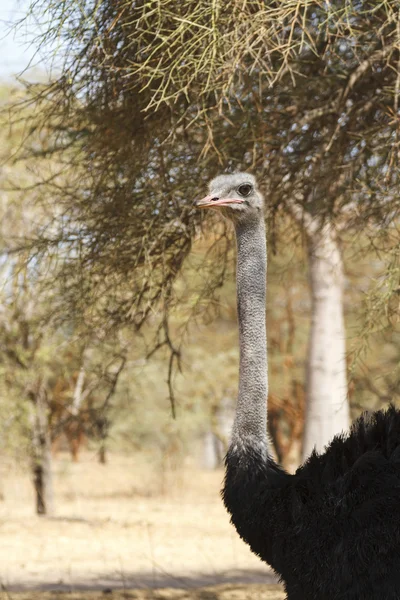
<point x="332" y="529"/>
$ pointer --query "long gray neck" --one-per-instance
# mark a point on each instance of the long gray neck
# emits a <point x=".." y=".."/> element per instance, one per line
<point x="250" y="425"/>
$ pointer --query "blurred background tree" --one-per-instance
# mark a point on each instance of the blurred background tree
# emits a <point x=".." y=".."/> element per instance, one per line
<point x="149" y="102"/>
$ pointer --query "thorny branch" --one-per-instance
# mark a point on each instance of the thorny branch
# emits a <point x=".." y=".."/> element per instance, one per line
<point x="154" y="99"/>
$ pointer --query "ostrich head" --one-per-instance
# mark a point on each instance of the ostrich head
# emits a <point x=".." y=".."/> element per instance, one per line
<point x="236" y="196"/>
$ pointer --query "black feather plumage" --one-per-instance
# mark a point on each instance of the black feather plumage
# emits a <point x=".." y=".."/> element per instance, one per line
<point x="331" y="531"/>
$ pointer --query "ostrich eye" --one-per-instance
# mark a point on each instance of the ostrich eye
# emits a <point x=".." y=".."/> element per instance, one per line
<point x="245" y="189"/>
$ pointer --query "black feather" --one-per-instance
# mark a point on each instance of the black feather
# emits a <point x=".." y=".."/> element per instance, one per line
<point x="331" y="531"/>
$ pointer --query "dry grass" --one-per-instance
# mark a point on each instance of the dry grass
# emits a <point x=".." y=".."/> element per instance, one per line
<point x="124" y="526"/>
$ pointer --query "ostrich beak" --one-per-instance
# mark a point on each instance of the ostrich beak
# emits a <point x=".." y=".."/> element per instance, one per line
<point x="212" y="201"/>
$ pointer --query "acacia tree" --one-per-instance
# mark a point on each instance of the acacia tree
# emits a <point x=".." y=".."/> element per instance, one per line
<point x="44" y="371"/>
<point x="40" y="347"/>
<point x="305" y="93"/>
<point x="23" y="327"/>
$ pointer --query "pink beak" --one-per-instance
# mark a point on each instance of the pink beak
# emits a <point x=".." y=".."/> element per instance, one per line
<point x="211" y="201"/>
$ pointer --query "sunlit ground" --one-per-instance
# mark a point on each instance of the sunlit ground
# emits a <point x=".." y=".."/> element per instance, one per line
<point x="120" y="527"/>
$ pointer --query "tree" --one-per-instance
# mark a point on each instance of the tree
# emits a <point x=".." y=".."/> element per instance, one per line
<point x="40" y="348"/>
<point x="328" y="410"/>
<point x="306" y="94"/>
<point x="22" y="329"/>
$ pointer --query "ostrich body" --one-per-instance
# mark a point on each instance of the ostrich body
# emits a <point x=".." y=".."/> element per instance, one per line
<point x="331" y="531"/>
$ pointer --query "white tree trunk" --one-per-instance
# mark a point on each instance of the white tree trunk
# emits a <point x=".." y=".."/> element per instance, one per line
<point x="327" y="408"/>
<point x="216" y="440"/>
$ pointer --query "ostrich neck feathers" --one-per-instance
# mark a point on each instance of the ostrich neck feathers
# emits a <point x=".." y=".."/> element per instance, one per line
<point x="250" y="426"/>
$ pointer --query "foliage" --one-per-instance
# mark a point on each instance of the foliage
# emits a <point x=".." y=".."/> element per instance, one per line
<point x="154" y="97"/>
<point x="40" y="353"/>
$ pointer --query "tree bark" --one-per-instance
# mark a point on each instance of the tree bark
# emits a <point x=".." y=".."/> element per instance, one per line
<point x="102" y="453"/>
<point x="327" y="408"/>
<point x="41" y="459"/>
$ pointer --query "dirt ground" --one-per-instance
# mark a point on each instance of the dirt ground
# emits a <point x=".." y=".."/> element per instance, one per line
<point x="124" y="526"/>
<point x="222" y="592"/>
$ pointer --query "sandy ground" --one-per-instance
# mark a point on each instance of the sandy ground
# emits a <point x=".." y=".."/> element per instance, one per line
<point x="222" y="592"/>
<point x="124" y="526"/>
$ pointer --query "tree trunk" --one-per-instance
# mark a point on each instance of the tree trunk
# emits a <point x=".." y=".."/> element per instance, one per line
<point x="327" y="408"/>
<point x="103" y="453"/>
<point x="102" y="428"/>
<point x="41" y="459"/>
